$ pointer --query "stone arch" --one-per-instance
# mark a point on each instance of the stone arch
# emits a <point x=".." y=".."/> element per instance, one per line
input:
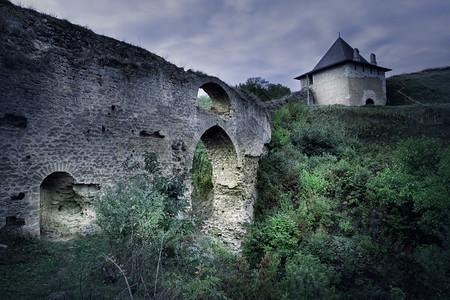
<point x="65" y="207"/>
<point x="223" y="156"/>
<point x="369" y="101"/>
<point x="223" y="203"/>
<point x="221" y="103"/>
<point x="208" y="124"/>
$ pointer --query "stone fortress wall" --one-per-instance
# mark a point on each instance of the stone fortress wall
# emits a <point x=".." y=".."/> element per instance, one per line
<point x="75" y="105"/>
<point x="348" y="84"/>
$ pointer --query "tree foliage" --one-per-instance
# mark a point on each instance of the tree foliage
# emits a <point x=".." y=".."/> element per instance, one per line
<point x="204" y="102"/>
<point x="263" y="89"/>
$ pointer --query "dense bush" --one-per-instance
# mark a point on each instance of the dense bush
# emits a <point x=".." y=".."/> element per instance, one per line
<point x="308" y="278"/>
<point x="278" y="233"/>
<point x="150" y="235"/>
<point x="364" y="219"/>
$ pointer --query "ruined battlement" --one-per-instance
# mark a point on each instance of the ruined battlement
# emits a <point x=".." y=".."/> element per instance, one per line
<point x="74" y="105"/>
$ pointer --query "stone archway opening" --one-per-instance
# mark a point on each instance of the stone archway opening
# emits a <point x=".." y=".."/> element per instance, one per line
<point x="212" y="97"/>
<point x="219" y="205"/>
<point x="204" y="101"/>
<point x="370" y="101"/>
<point x="202" y="192"/>
<point x="66" y="207"/>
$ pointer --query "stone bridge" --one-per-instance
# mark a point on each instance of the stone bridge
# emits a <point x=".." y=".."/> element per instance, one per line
<point x="75" y="105"/>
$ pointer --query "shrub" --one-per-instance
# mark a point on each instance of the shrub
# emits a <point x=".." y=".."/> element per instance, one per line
<point x="283" y="120"/>
<point x="265" y="278"/>
<point x="204" y="102"/>
<point x="204" y="286"/>
<point x="277" y="234"/>
<point x="141" y="218"/>
<point x="280" y="138"/>
<point x="434" y="271"/>
<point x="315" y="213"/>
<point x="277" y="176"/>
<point x="311" y="184"/>
<point x="318" y="139"/>
<point x="417" y="156"/>
<point x="132" y="208"/>
<point x="307" y="278"/>
<point x="416" y="193"/>
<point x="141" y="205"/>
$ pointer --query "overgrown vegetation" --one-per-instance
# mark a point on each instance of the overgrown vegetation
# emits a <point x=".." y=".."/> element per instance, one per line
<point x="350" y="213"/>
<point x="353" y="202"/>
<point x="201" y="172"/>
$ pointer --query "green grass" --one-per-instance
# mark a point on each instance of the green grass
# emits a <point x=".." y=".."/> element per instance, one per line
<point x="388" y="124"/>
<point x="36" y="268"/>
<point x="427" y="86"/>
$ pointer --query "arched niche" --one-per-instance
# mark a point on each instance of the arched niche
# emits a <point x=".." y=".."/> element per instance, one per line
<point x="66" y="207"/>
<point x="220" y="101"/>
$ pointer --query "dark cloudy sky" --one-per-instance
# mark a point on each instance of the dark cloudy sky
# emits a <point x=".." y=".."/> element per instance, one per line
<point x="273" y="39"/>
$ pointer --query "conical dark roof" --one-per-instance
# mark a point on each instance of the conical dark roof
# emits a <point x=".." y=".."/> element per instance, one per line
<point x="339" y="52"/>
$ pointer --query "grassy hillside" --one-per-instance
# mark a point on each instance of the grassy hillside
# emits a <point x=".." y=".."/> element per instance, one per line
<point x="427" y="86"/>
<point x="388" y="124"/>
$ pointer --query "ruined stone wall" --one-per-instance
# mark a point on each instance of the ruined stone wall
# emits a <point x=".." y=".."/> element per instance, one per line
<point x="77" y="103"/>
<point x="349" y="84"/>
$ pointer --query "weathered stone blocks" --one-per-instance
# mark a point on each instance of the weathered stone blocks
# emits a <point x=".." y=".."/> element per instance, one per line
<point x="79" y="104"/>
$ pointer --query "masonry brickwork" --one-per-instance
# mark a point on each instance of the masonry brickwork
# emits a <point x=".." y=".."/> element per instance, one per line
<point x="344" y="77"/>
<point x="75" y="105"/>
<point x="348" y="84"/>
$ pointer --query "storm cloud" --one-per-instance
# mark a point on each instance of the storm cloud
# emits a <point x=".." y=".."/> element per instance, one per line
<point x="275" y="40"/>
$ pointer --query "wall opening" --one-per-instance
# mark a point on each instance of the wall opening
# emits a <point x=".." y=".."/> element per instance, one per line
<point x="218" y="204"/>
<point x="218" y="102"/>
<point x="202" y="192"/>
<point x="369" y="101"/>
<point x="14" y="222"/>
<point x="66" y="207"/>
<point x="13" y="121"/>
<point x="19" y="196"/>
<point x="203" y="100"/>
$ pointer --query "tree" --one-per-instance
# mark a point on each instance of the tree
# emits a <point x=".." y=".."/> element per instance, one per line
<point x="263" y="89"/>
